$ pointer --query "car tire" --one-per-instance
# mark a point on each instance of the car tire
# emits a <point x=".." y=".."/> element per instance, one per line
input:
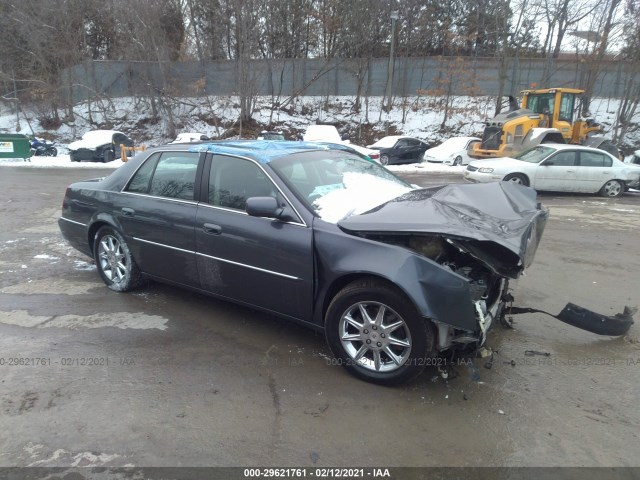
<point x="384" y="160"/>
<point x="115" y="262"/>
<point x="518" y="178"/>
<point x="612" y="189"/>
<point x="376" y="333"/>
<point x="457" y="161"/>
<point x="108" y="156"/>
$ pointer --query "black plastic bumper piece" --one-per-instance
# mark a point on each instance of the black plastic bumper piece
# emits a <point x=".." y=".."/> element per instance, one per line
<point x="613" y="326"/>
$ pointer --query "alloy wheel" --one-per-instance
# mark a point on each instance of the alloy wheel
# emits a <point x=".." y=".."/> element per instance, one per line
<point x="375" y="337"/>
<point x="112" y="259"/>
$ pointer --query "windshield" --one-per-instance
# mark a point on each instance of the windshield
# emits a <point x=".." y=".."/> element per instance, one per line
<point x="337" y="184"/>
<point x="535" y="155"/>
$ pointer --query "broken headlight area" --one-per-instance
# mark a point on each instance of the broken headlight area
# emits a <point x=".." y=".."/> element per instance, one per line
<point x="486" y="288"/>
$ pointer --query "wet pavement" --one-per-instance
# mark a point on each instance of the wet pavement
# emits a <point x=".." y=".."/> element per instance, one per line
<point x="165" y="377"/>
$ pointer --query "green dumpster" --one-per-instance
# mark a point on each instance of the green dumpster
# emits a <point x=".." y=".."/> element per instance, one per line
<point x="14" y="145"/>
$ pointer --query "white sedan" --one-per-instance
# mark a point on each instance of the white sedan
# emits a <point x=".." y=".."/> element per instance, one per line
<point x="452" y="151"/>
<point x="559" y="168"/>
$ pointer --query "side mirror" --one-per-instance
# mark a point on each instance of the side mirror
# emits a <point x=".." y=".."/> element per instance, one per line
<point x="263" y="207"/>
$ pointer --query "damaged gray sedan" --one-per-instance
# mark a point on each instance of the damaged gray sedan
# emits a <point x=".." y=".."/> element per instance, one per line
<point x="392" y="274"/>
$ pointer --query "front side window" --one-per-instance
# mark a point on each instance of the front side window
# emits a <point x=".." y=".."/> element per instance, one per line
<point x="541" y="103"/>
<point x="566" y="107"/>
<point x="562" y="159"/>
<point x="234" y="180"/>
<point x="169" y="174"/>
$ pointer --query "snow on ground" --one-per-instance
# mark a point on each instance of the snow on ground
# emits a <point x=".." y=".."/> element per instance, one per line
<point x="63" y="161"/>
<point x="420" y="117"/>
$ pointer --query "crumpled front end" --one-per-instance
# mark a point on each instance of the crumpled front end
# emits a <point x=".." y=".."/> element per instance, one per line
<point x="478" y="237"/>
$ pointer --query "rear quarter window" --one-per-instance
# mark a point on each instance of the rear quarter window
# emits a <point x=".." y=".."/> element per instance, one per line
<point x="169" y="174"/>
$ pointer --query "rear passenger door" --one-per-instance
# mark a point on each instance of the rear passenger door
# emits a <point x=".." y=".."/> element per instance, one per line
<point x="594" y="170"/>
<point x="157" y="211"/>
<point x="262" y="262"/>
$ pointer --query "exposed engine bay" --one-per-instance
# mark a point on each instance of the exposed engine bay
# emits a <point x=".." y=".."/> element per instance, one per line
<point x="486" y="287"/>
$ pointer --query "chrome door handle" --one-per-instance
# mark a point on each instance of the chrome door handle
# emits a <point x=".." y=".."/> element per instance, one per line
<point x="212" y="229"/>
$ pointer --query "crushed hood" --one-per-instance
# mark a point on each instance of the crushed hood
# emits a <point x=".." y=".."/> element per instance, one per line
<point x="499" y="223"/>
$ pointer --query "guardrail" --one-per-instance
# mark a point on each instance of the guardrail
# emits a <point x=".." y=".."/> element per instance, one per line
<point x="124" y="151"/>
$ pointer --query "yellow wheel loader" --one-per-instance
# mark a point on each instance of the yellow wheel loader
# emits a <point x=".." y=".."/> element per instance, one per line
<point x="546" y="116"/>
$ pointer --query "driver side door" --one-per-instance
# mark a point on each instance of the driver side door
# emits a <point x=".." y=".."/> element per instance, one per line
<point x="262" y="262"/>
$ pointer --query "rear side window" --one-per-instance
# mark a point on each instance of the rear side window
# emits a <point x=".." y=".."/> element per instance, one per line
<point x="141" y="180"/>
<point x="593" y="159"/>
<point x="170" y="175"/>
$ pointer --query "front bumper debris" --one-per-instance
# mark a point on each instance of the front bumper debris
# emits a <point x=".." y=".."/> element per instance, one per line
<point x="613" y="326"/>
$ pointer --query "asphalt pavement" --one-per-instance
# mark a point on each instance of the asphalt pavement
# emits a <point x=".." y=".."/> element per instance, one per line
<point x="166" y="377"/>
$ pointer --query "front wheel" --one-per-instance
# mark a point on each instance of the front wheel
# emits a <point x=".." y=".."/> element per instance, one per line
<point x="51" y="152"/>
<point x="377" y="334"/>
<point x="115" y="263"/>
<point x="612" y="189"/>
<point x="517" y="178"/>
<point x="108" y="156"/>
<point x="457" y="161"/>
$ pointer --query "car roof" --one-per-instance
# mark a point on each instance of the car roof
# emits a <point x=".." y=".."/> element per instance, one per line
<point x="262" y="151"/>
<point x="571" y="146"/>
<point x="461" y="139"/>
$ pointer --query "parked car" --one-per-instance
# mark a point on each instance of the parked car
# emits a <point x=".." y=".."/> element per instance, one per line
<point x="329" y="134"/>
<point x="392" y="274"/>
<point x="322" y="133"/>
<point x="396" y="149"/>
<point x="560" y="168"/>
<point x="190" y="137"/>
<point x="98" y="146"/>
<point x="267" y="135"/>
<point x="452" y="151"/>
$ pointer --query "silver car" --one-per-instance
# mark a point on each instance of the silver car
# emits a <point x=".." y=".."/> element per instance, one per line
<point x="559" y="168"/>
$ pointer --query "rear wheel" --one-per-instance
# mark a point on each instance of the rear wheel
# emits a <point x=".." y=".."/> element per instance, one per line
<point x="612" y="189"/>
<point x="108" y="156"/>
<point x="384" y="159"/>
<point x="377" y="334"/>
<point x="115" y="263"/>
<point x="517" y="178"/>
